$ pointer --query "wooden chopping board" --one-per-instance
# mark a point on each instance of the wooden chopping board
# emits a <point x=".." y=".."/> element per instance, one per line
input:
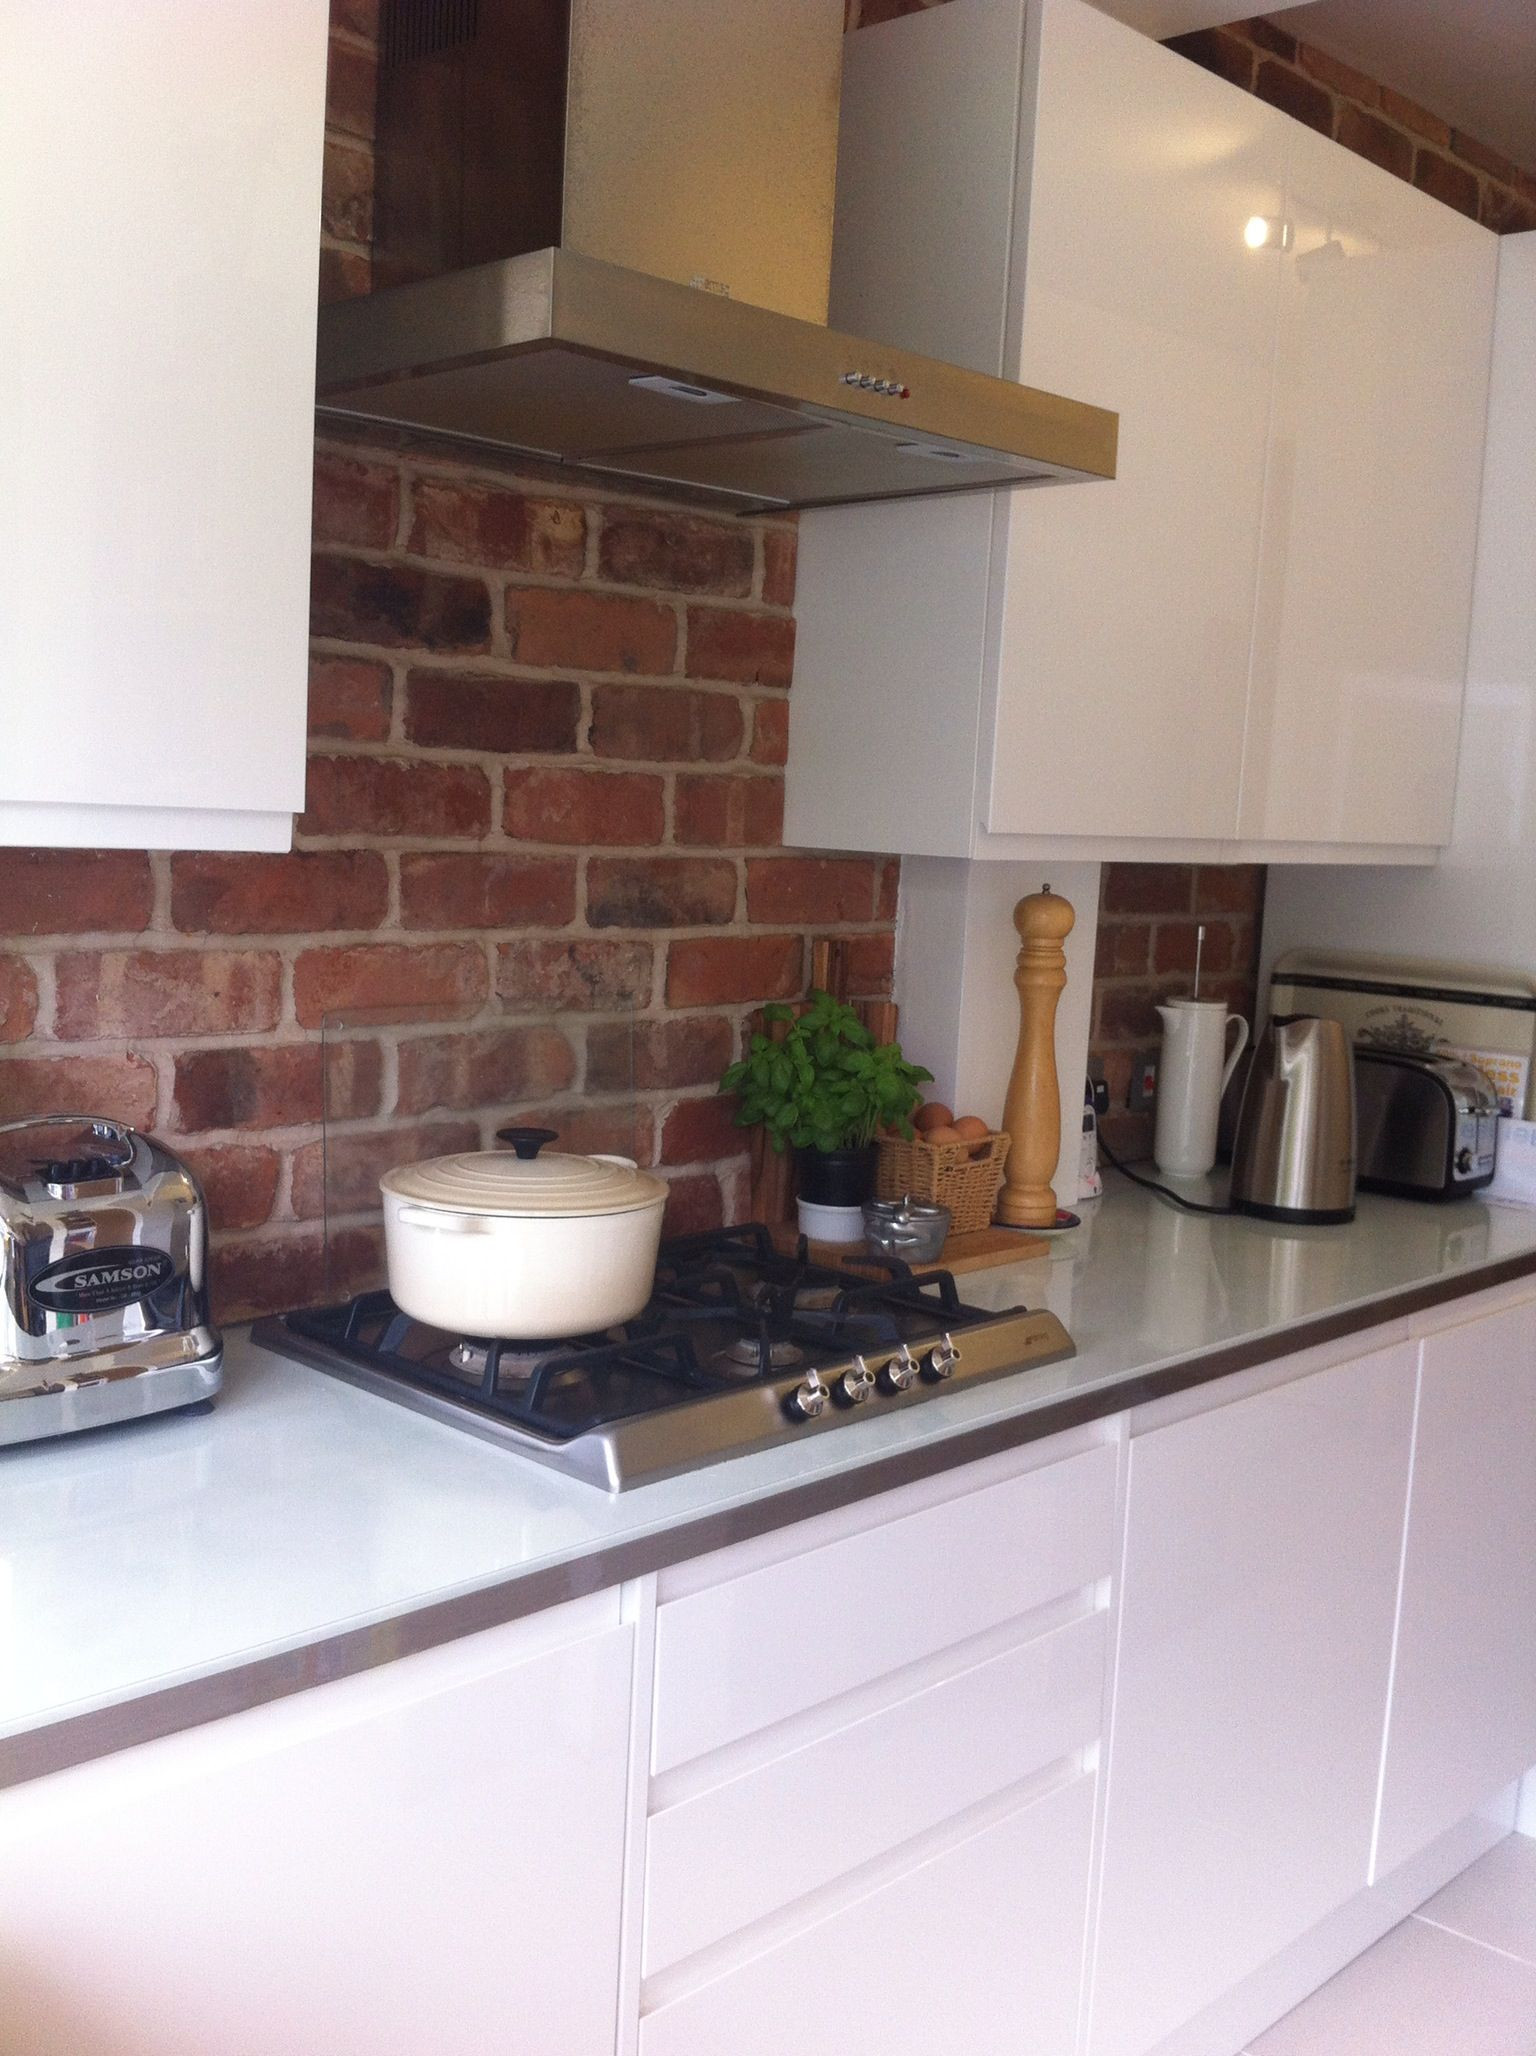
<point x="982" y="1250"/>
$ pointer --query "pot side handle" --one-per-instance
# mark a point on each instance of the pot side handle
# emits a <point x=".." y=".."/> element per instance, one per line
<point x="443" y="1223"/>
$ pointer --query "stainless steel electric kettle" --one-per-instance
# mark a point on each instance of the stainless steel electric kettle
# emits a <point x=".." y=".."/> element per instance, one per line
<point x="1294" y="1157"/>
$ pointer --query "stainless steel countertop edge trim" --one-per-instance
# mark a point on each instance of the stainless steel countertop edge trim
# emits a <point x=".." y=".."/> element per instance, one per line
<point x="150" y="1716"/>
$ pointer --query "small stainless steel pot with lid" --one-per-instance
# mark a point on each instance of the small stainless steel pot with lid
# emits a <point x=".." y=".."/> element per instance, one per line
<point x="523" y="1245"/>
<point x="912" y="1230"/>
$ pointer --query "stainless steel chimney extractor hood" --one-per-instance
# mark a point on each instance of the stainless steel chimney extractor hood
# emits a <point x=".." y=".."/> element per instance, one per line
<point x="611" y="220"/>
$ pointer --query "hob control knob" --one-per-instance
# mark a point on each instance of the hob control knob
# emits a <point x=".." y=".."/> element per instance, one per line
<point x="900" y="1374"/>
<point x="856" y="1383"/>
<point x="942" y="1360"/>
<point x="809" y="1398"/>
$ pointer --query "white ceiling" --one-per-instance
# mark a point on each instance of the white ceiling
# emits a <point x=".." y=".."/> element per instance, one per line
<point x="1472" y="62"/>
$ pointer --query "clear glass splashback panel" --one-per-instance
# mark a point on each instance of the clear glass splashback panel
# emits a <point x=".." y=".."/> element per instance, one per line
<point x="401" y="1084"/>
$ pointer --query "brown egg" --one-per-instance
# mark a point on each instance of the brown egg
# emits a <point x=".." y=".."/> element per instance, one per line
<point x="942" y="1133"/>
<point x="934" y="1115"/>
<point x="970" y="1128"/>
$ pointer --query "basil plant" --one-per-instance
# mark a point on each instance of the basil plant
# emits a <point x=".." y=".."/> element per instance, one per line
<point x="828" y="1084"/>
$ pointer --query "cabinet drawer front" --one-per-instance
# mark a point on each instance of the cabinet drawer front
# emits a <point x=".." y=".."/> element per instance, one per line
<point x="736" y="1657"/>
<point x="728" y="1856"/>
<point x="978" y="1948"/>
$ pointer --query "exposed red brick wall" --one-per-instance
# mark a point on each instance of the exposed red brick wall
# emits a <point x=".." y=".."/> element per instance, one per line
<point x="346" y="207"/>
<point x="547" y="732"/>
<point x="545" y="784"/>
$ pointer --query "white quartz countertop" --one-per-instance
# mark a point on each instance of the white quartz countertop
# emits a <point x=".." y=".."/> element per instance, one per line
<point x="298" y="1529"/>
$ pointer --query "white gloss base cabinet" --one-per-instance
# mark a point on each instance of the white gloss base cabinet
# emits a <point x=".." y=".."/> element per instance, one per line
<point x="427" y="1856"/>
<point x="1120" y="1742"/>
<point x="870" y="1814"/>
<point x="1252" y="642"/>
<point x="159" y="206"/>
<point x="1262" y="1547"/>
<point x="1463" y="1712"/>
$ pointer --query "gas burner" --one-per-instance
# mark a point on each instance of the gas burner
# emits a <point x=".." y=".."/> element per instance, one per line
<point x="761" y="1355"/>
<point x="741" y="1346"/>
<point x="817" y="1298"/>
<point x="515" y="1366"/>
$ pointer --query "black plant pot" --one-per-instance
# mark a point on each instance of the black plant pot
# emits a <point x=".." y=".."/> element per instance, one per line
<point x="837" y="1177"/>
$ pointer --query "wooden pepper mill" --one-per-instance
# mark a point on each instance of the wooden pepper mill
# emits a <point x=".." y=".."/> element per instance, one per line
<point x="1032" y="1115"/>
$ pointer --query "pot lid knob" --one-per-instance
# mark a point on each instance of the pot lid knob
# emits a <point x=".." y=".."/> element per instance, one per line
<point x="527" y="1141"/>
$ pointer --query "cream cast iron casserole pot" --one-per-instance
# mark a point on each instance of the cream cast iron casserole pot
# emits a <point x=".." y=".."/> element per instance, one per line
<point x="522" y="1246"/>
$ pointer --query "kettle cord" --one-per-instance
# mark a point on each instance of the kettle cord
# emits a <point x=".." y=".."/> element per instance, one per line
<point x="1190" y="1206"/>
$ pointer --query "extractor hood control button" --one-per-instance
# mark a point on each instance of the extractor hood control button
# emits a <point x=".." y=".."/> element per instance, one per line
<point x="900" y="1374"/>
<point x="942" y="1361"/>
<point x="809" y="1399"/>
<point x="853" y="378"/>
<point x="856" y="1383"/>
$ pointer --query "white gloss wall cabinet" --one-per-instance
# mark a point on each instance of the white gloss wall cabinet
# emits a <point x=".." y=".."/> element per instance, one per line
<point x="1259" y="1588"/>
<point x="1250" y="643"/>
<point x="159" y="210"/>
<point x="1121" y="672"/>
<point x="1478" y="904"/>
<point x="424" y="1857"/>
<point x="1462" y="1721"/>
<point x="1370" y="509"/>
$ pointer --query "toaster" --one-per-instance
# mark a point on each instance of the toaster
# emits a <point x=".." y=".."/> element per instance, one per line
<point x="1428" y="1124"/>
<point x="103" y="1279"/>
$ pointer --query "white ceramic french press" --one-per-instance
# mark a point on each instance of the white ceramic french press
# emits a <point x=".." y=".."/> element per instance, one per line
<point x="1192" y="1075"/>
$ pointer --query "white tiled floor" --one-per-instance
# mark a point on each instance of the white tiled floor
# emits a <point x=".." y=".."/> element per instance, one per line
<point x="1458" y="1979"/>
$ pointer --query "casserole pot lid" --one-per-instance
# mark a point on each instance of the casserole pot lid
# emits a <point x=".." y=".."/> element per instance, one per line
<point x="493" y="1181"/>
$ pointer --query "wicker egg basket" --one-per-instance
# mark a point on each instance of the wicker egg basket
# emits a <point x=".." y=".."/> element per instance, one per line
<point x="964" y="1176"/>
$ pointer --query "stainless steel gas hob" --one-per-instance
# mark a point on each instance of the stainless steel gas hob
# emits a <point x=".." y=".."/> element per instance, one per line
<point x="740" y="1347"/>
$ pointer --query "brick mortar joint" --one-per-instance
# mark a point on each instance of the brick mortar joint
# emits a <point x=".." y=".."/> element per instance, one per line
<point x="494" y="663"/>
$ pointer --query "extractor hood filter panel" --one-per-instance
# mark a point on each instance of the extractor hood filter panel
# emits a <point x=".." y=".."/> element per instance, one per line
<point x="580" y="362"/>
